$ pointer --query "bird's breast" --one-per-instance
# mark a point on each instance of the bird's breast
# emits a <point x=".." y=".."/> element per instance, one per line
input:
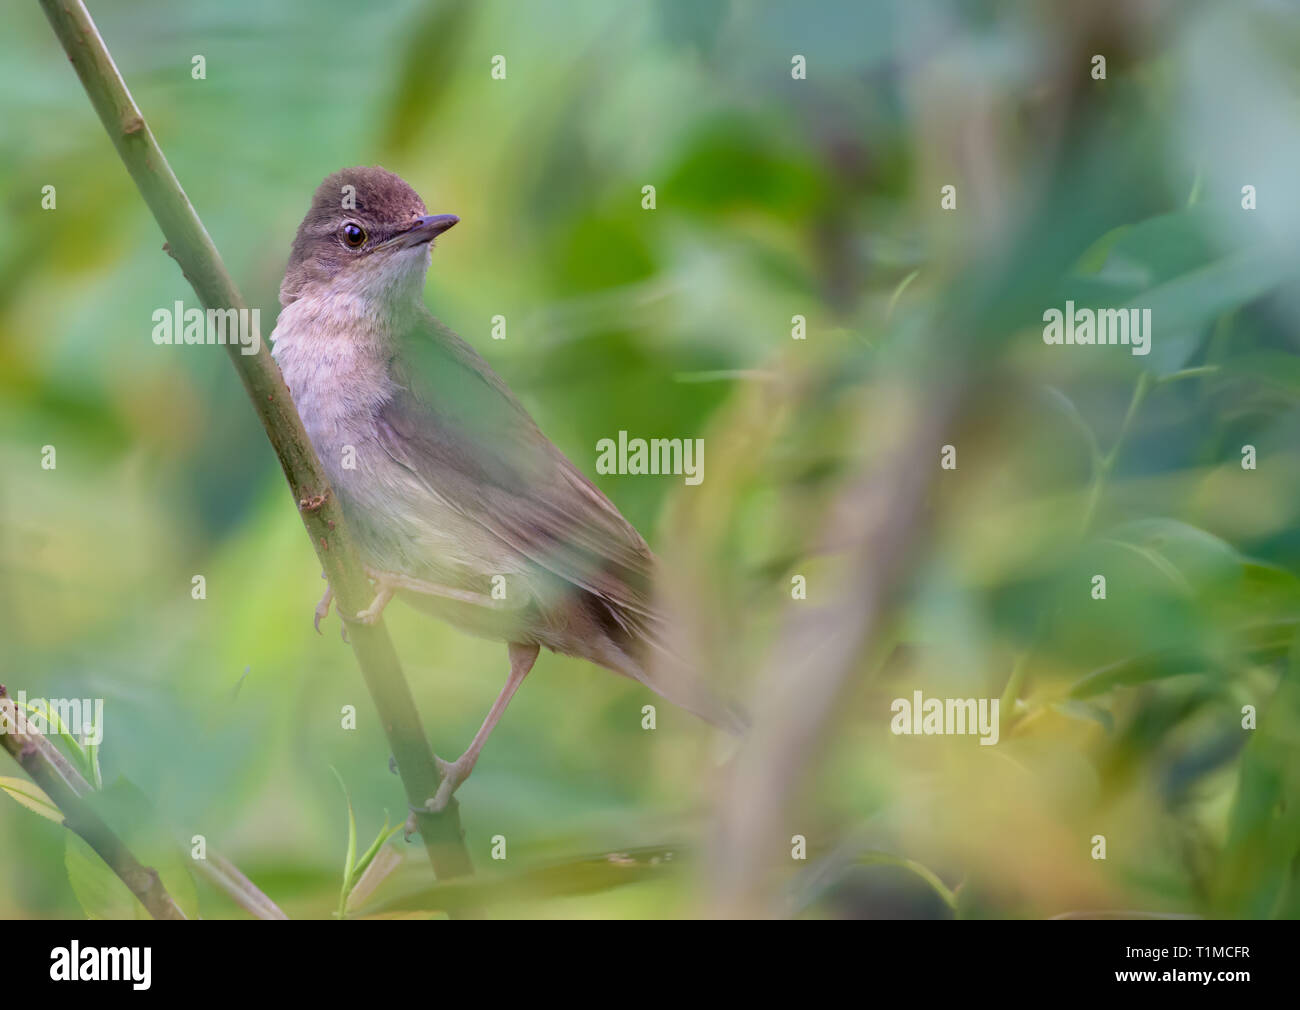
<point x="336" y="367"/>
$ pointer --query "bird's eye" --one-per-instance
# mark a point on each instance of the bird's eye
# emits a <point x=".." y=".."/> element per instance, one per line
<point x="354" y="236"/>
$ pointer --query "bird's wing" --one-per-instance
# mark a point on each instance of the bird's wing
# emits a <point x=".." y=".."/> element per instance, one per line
<point x="453" y="423"/>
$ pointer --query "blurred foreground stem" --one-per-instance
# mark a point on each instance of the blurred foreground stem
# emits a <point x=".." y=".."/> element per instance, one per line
<point x="60" y="782"/>
<point x="189" y="244"/>
<point x="65" y="787"/>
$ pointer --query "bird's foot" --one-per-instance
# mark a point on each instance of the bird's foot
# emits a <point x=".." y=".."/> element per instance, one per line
<point x="453" y="773"/>
<point x="383" y="594"/>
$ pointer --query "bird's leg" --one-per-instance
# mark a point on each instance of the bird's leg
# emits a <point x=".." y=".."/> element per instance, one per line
<point x="388" y="583"/>
<point x="455" y="772"/>
<point x="323" y="608"/>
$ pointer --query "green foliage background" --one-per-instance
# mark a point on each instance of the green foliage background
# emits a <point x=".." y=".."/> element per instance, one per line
<point x="775" y="197"/>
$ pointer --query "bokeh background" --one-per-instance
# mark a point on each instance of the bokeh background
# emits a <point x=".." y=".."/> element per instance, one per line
<point x="776" y="197"/>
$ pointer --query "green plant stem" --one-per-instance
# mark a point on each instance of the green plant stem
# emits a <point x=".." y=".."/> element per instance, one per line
<point x="1017" y="679"/>
<point x="1102" y="469"/>
<point x="47" y="768"/>
<point x="898" y="293"/>
<point x="225" y="875"/>
<point x="1102" y="473"/>
<point x="1187" y="373"/>
<point x="189" y="244"/>
<point x="945" y="893"/>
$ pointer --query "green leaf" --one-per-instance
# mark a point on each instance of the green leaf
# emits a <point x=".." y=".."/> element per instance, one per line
<point x="1072" y="413"/>
<point x="95" y="774"/>
<point x="1174" y="265"/>
<point x="1095" y="256"/>
<point x="1193" y="560"/>
<point x="41" y="708"/>
<point x="1140" y="669"/>
<point x="1273" y="367"/>
<point x="1083" y="711"/>
<point x="385" y="833"/>
<point x="1258" y="642"/>
<point x="1157" y="561"/>
<point x="1269" y="587"/>
<point x="99" y="890"/>
<point x="1135" y="258"/>
<point x="349" y="860"/>
<point x="30" y="795"/>
<point x="1202" y="295"/>
<point x="583" y="875"/>
<point x="354" y="869"/>
<point x="131" y="815"/>
<point x="1258" y="878"/>
<point x="1160" y="249"/>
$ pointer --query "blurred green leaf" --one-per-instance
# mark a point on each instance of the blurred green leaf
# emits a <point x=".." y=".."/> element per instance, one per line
<point x="1140" y="669"/>
<point x="1193" y="560"/>
<point x="563" y="878"/>
<point x="1159" y="249"/>
<point x="1072" y="413"/>
<point x="30" y="795"/>
<point x="132" y="816"/>
<point x="1258" y="878"/>
<point x="1090" y="713"/>
<point x="99" y="890"/>
<point x="1203" y="295"/>
<point x="1273" y="367"/>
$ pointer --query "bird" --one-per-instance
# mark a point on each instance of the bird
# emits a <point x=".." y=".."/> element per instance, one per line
<point x="460" y="505"/>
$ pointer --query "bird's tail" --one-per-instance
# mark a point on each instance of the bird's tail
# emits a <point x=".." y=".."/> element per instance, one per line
<point x="639" y="645"/>
<point x="723" y="713"/>
<point x="665" y="673"/>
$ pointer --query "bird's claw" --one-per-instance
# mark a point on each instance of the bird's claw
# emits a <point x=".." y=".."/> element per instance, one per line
<point x="412" y="826"/>
<point x="453" y="773"/>
<point x="323" y="609"/>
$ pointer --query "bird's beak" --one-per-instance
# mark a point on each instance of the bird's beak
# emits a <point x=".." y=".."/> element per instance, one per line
<point x="424" y="229"/>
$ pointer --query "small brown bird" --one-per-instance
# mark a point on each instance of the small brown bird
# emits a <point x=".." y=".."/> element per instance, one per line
<point x="456" y="497"/>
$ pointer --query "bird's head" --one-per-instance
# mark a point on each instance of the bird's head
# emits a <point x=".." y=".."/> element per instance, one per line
<point x="366" y="233"/>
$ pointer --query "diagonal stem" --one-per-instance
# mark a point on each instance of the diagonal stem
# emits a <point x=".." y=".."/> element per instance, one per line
<point x="190" y="245"/>
<point x="60" y="782"/>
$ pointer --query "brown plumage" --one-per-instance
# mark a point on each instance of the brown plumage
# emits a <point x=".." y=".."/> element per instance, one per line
<point x="453" y="490"/>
